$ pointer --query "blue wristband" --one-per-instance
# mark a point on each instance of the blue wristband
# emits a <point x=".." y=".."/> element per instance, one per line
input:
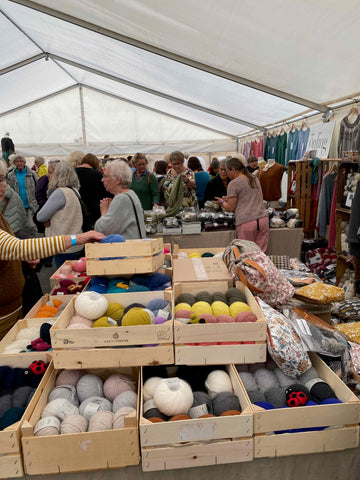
<point x="73" y="240"/>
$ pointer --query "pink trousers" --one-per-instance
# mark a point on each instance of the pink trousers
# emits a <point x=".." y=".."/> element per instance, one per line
<point x="257" y="231"/>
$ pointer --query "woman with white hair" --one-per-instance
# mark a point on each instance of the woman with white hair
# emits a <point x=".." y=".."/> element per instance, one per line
<point x="62" y="213"/>
<point x="41" y="168"/>
<point x="123" y="214"/>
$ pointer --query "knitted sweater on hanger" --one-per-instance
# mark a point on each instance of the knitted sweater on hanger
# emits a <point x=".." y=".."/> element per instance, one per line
<point x="302" y="143"/>
<point x="281" y="148"/>
<point x="292" y="145"/>
<point x="349" y="138"/>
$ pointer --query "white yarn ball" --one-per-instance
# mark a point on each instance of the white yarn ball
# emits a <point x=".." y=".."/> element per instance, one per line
<point x="91" y="305"/>
<point x="92" y="405"/>
<point x="125" y="399"/>
<point x="149" y="387"/>
<point x="89" y="386"/>
<point x="173" y="396"/>
<point x="64" y="391"/>
<point x="60" y="408"/>
<point x="102" y="420"/>
<point x="74" y="424"/>
<point x="218" y="381"/>
<point x="17" y="346"/>
<point x="119" y="416"/>
<point x="47" y="426"/>
<point x="30" y="333"/>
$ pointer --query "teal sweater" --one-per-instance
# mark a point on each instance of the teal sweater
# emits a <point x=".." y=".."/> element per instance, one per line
<point x="147" y="189"/>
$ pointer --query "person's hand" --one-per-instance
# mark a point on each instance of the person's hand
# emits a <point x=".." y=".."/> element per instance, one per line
<point x="33" y="263"/>
<point x="104" y="205"/>
<point x="219" y="200"/>
<point x="89" y="237"/>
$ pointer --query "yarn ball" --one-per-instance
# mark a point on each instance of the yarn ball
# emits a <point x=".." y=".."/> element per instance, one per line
<point x="297" y="395"/>
<point x="248" y="380"/>
<point x="225" y="401"/>
<point x="18" y="345"/>
<point x="91" y="305"/>
<point x="60" y="408"/>
<point x="120" y="415"/>
<point x="80" y="265"/>
<point x="92" y="405"/>
<point x="125" y="399"/>
<point x="115" y="311"/>
<point x="64" y="391"/>
<point x="183" y="306"/>
<point x="102" y="420"/>
<point x="28" y="333"/>
<point x="45" y="332"/>
<point x="186" y="298"/>
<point x="183" y="316"/>
<point x="149" y="387"/>
<point x="320" y="391"/>
<point x="66" y="270"/>
<point x="203" y="296"/>
<point x="78" y="320"/>
<point x="155" y="420"/>
<point x="89" y="385"/>
<point x="220" y="308"/>
<point x="133" y="305"/>
<point x="135" y="288"/>
<point x="265" y="379"/>
<point x="284" y="380"/>
<point x="218" y="297"/>
<point x="330" y="401"/>
<point x="218" y="381"/>
<point x="21" y="396"/>
<point x="179" y="417"/>
<point x="195" y="255"/>
<point x="224" y="319"/>
<point x="245" y="317"/>
<point x="265" y="405"/>
<point x="238" y="307"/>
<point x="310" y="374"/>
<point x="154" y="413"/>
<point x="115" y="238"/>
<point x="276" y="396"/>
<point x="47" y="426"/>
<point x="74" y="424"/>
<point x="235" y="295"/>
<point x="99" y="285"/>
<point x="173" y="396"/>
<point x="256" y="396"/>
<point x="207" y="254"/>
<point x="116" y="384"/>
<point x="202" y="405"/>
<point x="5" y="403"/>
<point x="158" y="304"/>
<point x="159" y="320"/>
<point x="68" y="377"/>
<point x="136" y="316"/>
<point x="104" y="322"/>
<point x="208" y="317"/>
<point x="154" y="281"/>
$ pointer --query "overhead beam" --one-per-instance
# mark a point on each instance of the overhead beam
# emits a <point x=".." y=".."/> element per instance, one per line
<point x="155" y="92"/>
<point x="137" y="104"/>
<point x="23" y="63"/>
<point x="173" y="56"/>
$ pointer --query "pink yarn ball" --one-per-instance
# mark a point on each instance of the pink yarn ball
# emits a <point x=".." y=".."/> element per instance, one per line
<point x="76" y="326"/>
<point x="80" y="265"/>
<point x="245" y="317"/>
<point x="66" y="270"/>
<point x="80" y="319"/>
<point x="224" y="319"/>
<point x="208" y="317"/>
<point x="183" y="314"/>
<point x="69" y="377"/>
<point x="116" y="384"/>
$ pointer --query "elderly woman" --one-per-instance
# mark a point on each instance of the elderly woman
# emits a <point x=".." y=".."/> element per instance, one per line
<point x="217" y="187"/>
<point x="179" y="185"/>
<point x="123" y="214"/>
<point x="244" y="197"/>
<point x="144" y="183"/>
<point x="41" y="168"/>
<point x="62" y="213"/>
<point x="12" y="251"/>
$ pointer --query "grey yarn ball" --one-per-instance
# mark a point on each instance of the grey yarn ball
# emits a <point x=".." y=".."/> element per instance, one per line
<point x="203" y="296"/>
<point x="284" y="380"/>
<point x="125" y="399"/>
<point x="5" y="403"/>
<point x="92" y="405"/>
<point x="64" y="391"/>
<point x="265" y="379"/>
<point x="21" y="395"/>
<point x="186" y="298"/>
<point x="248" y="380"/>
<point x="89" y="386"/>
<point x="202" y="405"/>
<point x="256" y="396"/>
<point x="225" y="401"/>
<point x="310" y="374"/>
<point x="219" y="297"/>
<point x="276" y="396"/>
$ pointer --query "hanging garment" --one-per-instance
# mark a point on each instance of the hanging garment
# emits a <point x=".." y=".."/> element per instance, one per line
<point x="247" y="150"/>
<point x="267" y="148"/>
<point x="302" y="143"/>
<point x="270" y="181"/>
<point x="259" y="147"/>
<point x="349" y="139"/>
<point x="292" y="146"/>
<point x="281" y="148"/>
<point x="332" y="225"/>
<point x="353" y="237"/>
<point x="326" y="195"/>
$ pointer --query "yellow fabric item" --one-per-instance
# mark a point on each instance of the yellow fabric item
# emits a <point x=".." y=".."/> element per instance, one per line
<point x="183" y="306"/>
<point x="351" y="330"/>
<point x="123" y="285"/>
<point x="322" y="292"/>
<point x="200" y="308"/>
<point x="195" y="255"/>
<point x="219" y="308"/>
<point x="238" y="307"/>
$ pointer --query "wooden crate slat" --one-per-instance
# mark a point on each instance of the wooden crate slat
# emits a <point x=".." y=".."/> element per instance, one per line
<point x="11" y="466"/>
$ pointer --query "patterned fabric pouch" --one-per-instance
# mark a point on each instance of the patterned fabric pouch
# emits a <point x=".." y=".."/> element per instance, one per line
<point x="320" y="293"/>
<point x="284" y="344"/>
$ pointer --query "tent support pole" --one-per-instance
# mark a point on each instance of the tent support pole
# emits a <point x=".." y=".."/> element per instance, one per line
<point x="82" y="114"/>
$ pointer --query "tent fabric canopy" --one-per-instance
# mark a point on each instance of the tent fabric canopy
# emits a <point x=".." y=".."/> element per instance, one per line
<point x="152" y="72"/>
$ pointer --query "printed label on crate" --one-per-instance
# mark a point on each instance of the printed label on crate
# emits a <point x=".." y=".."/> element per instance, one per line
<point x="149" y="404"/>
<point x="198" y="431"/>
<point x="196" y="412"/>
<point x="47" y="422"/>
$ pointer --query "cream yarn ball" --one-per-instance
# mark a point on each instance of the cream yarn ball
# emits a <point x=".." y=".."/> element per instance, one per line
<point x="125" y="399"/>
<point x="47" y="426"/>
<point x="89" y="385"/>
<point x="29" y="333"/>
<point x="119" y="416"/>
<point x="117" y="383"/>
<point x="74" y="424"/>
<point x="60" y="408"/>
<point x="102" y="420"/>
<point x="69" y="377"/>
<point x="17" y="346"/>
<point x="79" y="319"/>
<point x="173" y="396"/>
<point x="64" y="391"/>
<point x="91" y="305"/>
<point x="149" y="387"/>
<point x="92" y="405"/>
<point x="218" y="381"/>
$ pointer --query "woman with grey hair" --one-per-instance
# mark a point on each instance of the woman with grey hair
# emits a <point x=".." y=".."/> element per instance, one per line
<point x="62" y="213"/>
<point x="123" y="214"/>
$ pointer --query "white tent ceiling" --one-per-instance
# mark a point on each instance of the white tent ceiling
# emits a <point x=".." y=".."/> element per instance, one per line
<point x="155" y="73"/>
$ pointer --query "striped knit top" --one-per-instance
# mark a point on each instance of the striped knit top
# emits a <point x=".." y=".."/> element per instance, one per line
<point x="11" y="248"/>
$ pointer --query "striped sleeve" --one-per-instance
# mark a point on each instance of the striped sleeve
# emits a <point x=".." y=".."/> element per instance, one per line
<point x="11" y="248"/>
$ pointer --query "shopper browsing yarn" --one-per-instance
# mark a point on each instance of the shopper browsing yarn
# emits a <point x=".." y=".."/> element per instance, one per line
<point x="144" y="183"/>
<point x="217" y="187"/>
<point x="201" y="179"/>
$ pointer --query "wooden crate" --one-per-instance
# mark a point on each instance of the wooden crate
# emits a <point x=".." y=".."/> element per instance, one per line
<point x="219" y="332"/>
<point x="10" y="337"/>
<point x="139" y="256"/>
<point x="11" y="464"/>
<point x="97" y="344"/>
<point x="198" y="442"/>
<point x="80" y="451"/>
<point x="43" y="300"/>
<point x="54" y="280"/>
<point x="342" y="418"/>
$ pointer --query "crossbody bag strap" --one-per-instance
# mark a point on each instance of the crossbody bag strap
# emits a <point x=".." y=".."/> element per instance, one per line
<point x="5" y="206"/>
<point x="136" y="215"/>
<point x="245" y="281"/>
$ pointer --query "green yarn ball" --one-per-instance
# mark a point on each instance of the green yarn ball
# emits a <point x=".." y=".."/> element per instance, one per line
<point x="186" y="298"/>
<point x="207" y="254"/>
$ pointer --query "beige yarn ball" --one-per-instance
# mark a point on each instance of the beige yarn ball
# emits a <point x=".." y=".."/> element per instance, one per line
<point x="102" y="420"/>
<point x="218" y="381"/>
<point x="119" y="416"/>
<point x="60" y="408"/>
<point x="47" y="426"/>
<point x="69" y="377"/>
<point x="74" y="424"/>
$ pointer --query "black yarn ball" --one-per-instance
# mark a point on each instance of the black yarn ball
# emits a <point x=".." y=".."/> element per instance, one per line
<point x="219" y="297"/>
<point x="154" y="412"/>
<point x="45" y="332"/>
<point x="225" y="401"/>
<point x="321" y="391"/>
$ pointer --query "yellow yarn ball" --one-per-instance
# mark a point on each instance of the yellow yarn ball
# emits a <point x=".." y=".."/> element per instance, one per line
<point x="201" y="307"/>
<point x="115" y="311"/>
<point x="183" y="306"/>
<point x="195" y="255"/>
<point x="102" y="322"/>
<point x="136" y="316"/>
<point x="238" y="307"/>
<point x="220" y="308"/>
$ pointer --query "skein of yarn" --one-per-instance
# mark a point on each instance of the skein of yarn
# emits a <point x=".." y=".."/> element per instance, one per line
<point x="64" y="391"/>
<point x="91" y="305"/>
<point x="120" y="415"/>
<point x="74" y="424"/>
<point x="102" y="420"/>
<point x="125" y="399"/>
<point x="149" y="387"/>
<point x="116" y="384"/>
<point x="202" y="405"/>
<point x="92" y="405"/>
<point x="186" y="298"/>
<point x="173" y="396"/>
<point x="68" y="377"/>
<point x="47" y="426"/>
<point x="265" y="379"/>
<point x="60" y="408"/>
<point x="224" y="402"/>
<point x="218" y="381"/>
<point x="89" y="385"/>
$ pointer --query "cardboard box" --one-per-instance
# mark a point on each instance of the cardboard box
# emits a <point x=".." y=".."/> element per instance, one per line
<point x="205" y="269"/>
